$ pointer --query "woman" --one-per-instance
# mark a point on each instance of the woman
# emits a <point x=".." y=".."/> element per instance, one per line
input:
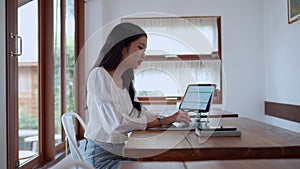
<point x="112" y="112"/>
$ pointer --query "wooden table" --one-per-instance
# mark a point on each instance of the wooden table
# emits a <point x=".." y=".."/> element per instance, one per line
<point x="259" y="140"/>
<point x="219" y="164"/>
<point x="152" y="165"/>
<point x="34" y="140"/>
<point x="246" y="164"/>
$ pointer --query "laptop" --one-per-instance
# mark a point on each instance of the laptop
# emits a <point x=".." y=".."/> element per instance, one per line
<point x="197" y="99"/>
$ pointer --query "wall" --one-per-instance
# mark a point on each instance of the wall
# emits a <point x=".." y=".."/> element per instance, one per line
<point x="282" y="59"/>
<point x="242" y="40"/>
<point x="2" y="87"/>
<point x="93" y="9"/>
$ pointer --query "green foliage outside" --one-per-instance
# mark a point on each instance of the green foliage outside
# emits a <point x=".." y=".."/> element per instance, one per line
<point x="27" y="121"/>
<point x="146" y="93"/>
<point x="69" y="83"/>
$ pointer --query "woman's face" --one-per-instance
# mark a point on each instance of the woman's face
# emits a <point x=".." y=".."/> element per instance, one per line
<point x="135" y="53"/>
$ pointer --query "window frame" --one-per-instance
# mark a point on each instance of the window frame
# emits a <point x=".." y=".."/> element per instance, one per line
<point x="217" y="55"/>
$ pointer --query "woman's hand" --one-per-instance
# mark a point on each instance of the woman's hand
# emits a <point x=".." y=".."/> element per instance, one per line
<point x="182" y="117"/>
<point x="176" y="117"/>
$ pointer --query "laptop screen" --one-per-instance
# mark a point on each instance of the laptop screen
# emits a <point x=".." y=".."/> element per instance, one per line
<point x="197" y="97"/>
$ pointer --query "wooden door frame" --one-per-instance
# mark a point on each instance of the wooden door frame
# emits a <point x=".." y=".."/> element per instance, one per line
<point x="11" y="86"/>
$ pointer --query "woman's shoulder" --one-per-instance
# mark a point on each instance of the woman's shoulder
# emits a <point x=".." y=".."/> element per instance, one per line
<point x="98" y="72"/>
<point x="99" y="75"/>
<point x="99" y="78"/>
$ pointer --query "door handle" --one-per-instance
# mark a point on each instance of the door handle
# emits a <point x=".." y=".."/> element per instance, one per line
<point x="17" y="45"/>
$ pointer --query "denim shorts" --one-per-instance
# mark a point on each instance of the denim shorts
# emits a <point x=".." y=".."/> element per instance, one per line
<point x="101" y="155"/>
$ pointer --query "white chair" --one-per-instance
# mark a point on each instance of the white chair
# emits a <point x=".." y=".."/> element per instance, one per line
<point x="69" y="128"/>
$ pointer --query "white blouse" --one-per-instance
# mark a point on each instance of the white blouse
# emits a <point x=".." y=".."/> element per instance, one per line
<point x="111" y="115"/>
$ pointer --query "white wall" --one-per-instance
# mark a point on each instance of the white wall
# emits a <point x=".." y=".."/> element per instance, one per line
<point x="282" y="59"/>
<point x="242" y="40"/>
<point x="3" y="158"/>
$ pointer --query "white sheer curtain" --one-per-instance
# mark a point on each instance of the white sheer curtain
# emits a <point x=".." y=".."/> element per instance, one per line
<point x="179" y="35"/>
<point x="172" y="37"/>
<point x="170" y="78"/>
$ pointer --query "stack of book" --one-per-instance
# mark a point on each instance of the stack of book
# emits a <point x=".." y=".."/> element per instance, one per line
<point x="217" y="131"/>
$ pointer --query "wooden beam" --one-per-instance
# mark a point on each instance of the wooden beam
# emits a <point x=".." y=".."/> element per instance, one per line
<point x="284" y="111"/>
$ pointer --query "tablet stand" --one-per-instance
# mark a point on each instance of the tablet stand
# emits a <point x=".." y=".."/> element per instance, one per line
<point x="202" y="123"/>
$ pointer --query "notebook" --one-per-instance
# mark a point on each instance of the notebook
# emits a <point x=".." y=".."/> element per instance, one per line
<point x="198" y="99"/>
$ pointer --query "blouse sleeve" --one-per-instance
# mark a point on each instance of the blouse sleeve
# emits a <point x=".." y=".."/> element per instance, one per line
<point x="120" y="122"/>
<point x="145" y="112"/>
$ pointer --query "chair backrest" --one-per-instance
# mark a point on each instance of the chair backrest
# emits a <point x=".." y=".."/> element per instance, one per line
<point x="69" y="128"/>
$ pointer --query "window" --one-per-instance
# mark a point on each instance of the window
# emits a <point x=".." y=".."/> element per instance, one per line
<point x="180" y="51"/>
<point x="41" y="81"/>
<point x="64" y="61"/>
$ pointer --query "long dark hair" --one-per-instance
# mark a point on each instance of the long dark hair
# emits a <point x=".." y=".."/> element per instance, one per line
<point x="121" y="36"/>
<point x="127" y="79"/>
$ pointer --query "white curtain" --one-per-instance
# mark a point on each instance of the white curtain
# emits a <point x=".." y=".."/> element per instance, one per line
<point x="172" y="77"/>
<point x="179" y="35"/>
